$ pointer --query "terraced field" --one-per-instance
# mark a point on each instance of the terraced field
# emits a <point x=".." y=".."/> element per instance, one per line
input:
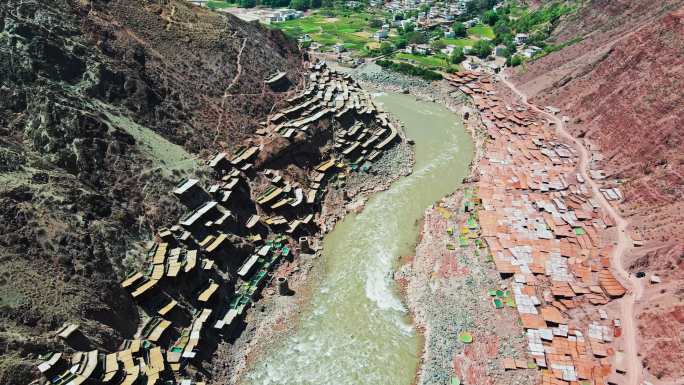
<point x="351" y="29"/>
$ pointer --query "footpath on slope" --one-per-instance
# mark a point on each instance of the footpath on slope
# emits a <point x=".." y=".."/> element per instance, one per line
<point x="530" y="215"/>
<point x="623" y="245"/>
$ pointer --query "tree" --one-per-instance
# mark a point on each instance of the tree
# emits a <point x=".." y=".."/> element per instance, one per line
<point x="482" y="49"/>
<point x="416" y="38"/>
<point x="327" y="3"/>
<point x="386" y="48"/>
<point x="504" y="38"/>
<point x="316" y="3"/>
<point x="460" y="30"/>
<point x="301" y="5"/>
<point x="457" y="56"/>
<point x="401" y="43"/>
<point x="375" y="23"/>
<point x="247" y="3"/>
<point x="438" y="45"/>
<point x="501" y="28"/>
<point x="510" y="46"/>
<point x="490" y="17"/>
<point x="514" y="61"/>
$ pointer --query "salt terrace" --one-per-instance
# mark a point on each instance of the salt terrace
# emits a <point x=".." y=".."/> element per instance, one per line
<point x="203" y="273"/>
<point x="547" y="238"/>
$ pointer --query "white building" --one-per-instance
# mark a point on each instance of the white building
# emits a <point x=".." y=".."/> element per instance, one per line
<point x="521" y="38"/>
<point x="285" y="15"/>
<point x="423" y="49"/>
<point x="339" y="48"/>
<point x="531" y="51"/>
<point x="380" y="35"/>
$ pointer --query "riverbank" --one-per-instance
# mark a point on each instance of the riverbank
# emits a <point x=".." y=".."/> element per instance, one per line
<point x="275" y="316"/>
<point x="278" y="316"/>
<point x="514" y="276"/>
<point x="360" y="257"/>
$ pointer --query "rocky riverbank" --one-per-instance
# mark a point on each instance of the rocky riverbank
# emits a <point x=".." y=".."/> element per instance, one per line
<point x="446" y="282"/>
<point x="274" y="316"/>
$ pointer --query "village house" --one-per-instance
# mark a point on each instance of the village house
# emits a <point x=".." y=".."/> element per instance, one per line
<point x="339" y="48"/>
<point x="285" y="15"/>
<point x="305" y="38"/>
<point x="380" y="35"/>
<point x="531" y="51"/>
<point x="423" y="49"/>
<point x="500" y="50"/>
<point x="449" y="49"/>
<point x="521" y="38"/>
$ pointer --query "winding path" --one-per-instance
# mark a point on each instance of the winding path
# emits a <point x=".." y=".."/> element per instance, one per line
<point x="622" y="246"/>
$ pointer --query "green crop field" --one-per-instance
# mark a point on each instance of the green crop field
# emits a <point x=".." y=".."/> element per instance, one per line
<point x="351" y="29"/>
<point x="481" y="30"/>
<point x="459" y="42"/>
<point x="219" y="4"/>
<point x="428" y="61"/>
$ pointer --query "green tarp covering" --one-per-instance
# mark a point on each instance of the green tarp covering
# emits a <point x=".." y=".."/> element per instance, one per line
<point x="465" y="337"/>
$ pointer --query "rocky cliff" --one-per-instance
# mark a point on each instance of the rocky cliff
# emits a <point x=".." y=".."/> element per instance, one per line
<point x="104" y="104"/>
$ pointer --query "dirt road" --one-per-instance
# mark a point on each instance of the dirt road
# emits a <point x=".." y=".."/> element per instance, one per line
<point x="622" y="246"/>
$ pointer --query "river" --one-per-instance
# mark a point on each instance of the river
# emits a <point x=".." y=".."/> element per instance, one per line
<point x="357" y="331"/>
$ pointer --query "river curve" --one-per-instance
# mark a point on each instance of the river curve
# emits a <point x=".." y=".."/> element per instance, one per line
<point x="357" y="331"/>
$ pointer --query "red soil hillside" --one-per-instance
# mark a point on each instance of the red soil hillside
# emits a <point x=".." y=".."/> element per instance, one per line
<point x="622" y="90"/>
<point x="625" y="94"/>
<point x="622" y="87"/>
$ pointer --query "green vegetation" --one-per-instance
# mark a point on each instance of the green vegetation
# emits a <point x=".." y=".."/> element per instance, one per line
<point x="166" y="155"/>
<point x="528" y="21"/>
<point x="459" y="42"/>
<point x="386" y="48"/>
<point x="481" y="49"/>
<point x="352" y="29"/>
<point x="409" y="69"/>
<point x="490" y="17"/>
<point x="548" y="48"/>
<point x="219" y="4"/>
<point x="477" y="7"/>
<point x="301" y="5"/>
<point x="428" y="61"/>
<point x="538" y="24"/>
<point x="513" y="61"/>
<point x="460" y="30"/>
<point x="481" y="31"/>
<point x="457" y="56"/>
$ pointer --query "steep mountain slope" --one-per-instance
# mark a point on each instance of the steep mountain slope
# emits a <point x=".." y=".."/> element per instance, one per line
<point x="621" y="87"/>
<point x="104" y="105"/>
